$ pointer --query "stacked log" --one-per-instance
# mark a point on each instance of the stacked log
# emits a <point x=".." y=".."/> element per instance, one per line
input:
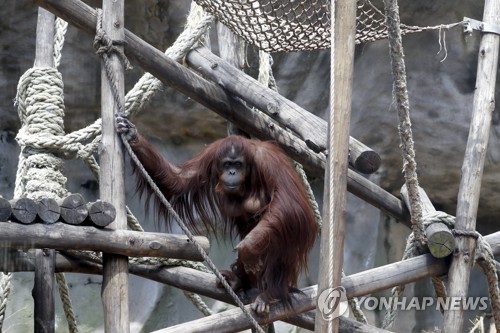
<point x="73" y="209"/>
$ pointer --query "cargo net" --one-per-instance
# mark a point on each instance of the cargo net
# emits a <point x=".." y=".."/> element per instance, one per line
<point x="295" y="25"/>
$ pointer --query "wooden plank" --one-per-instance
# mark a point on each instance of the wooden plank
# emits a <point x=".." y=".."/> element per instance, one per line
<point x="232" y="50"/>
<point x="213" y="97"/>
<point x="123" y="242"/>
<point x="335" y="188"/>
<point x="43" y="289"/>
<point x="472" y="167"/>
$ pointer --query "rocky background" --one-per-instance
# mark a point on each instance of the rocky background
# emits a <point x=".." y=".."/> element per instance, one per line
<point x="441" y="88"/>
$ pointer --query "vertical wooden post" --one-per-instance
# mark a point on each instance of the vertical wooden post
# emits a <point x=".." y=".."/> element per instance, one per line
<point x="334" y="203"/>
<point x="230" y="46"/>
<point x="115" y="268"/>
<point x="472" y="167"/>
<point x="43" y="289"/>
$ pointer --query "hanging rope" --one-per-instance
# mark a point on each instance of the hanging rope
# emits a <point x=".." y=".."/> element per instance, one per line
<point x="400" y="96"/>
<point x="4" y="295"/>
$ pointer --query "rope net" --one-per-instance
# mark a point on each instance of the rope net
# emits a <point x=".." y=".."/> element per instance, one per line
<point x="296" y="25"/>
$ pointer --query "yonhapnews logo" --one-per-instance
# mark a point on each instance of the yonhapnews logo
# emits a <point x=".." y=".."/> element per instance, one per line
<point x="332" y="302"/>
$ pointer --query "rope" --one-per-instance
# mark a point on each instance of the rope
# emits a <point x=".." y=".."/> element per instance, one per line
<point x="60" y="33"/>
<point x="4" y="295"/>
<point x="483" y="257"/>
<point x="400" y="96"/>
<point x="40" y="104"/>
<point x="66" y="301"/>
<point x="331" y="147"/>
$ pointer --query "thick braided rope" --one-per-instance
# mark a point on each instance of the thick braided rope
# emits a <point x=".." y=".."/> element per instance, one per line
<point x="197" y="24"/>
<point x="66" y="301"/>
<point x="41" y="111"/>
<point x="198" y="302"/>
<point x="60" y="33"/>
<point x="4" y="295"/>
<point x="487" y="264"/>
<point x="400" y="96"/>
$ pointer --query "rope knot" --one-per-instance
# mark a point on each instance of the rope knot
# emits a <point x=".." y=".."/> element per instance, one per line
<point x="105" y="46"/>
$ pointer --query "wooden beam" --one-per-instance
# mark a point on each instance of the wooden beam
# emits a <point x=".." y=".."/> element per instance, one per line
<point x="360" y="284"/>
<point x="24" y="210"/>
<point x="74" y="209"/>
<point x="5" y="209"/>
<point x="311" y="128"/>
<point x="472" y="167"/>
<point x="343" y="22"/>
<point x="114" y="293"/>
<point x="231" y="49"/>
<point x="123" y="242"/>
<point x="43" y="289"/>
<point x="215" y="98"/>
<point x="440" y="240"/>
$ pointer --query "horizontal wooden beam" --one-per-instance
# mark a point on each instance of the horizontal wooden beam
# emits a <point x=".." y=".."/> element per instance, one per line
<point x="62" y="236"/>
<point x="356" y="285"/>
<point x="311" y="128"/>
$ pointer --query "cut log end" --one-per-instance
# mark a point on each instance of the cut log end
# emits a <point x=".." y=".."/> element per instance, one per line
<point x="24" y="210"/>
<point x="74" y="209"/>
<point x="441" y="242"/>
<point x="5" y="210"/>
<point x="48" y="210"/>
<point x="366" y="162"/>
<point x="102" y="213"/>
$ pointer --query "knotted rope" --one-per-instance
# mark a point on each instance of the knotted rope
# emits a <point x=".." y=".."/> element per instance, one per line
<point x="483" y="257"/>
